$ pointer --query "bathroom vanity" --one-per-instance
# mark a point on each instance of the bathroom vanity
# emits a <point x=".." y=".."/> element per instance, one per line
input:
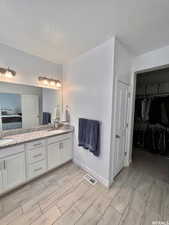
<point x="25" y="156"/>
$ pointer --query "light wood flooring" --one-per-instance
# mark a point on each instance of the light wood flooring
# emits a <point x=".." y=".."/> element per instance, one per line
<point x="139" y="196"/>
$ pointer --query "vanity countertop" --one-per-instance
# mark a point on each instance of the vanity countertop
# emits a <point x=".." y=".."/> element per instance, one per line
<point x="31" y="136"/>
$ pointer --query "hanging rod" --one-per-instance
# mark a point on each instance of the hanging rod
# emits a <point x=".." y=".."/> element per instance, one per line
<point x="153" y="95"/>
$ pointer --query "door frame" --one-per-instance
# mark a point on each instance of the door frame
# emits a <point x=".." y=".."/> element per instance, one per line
<point x="113" y="144"/>
<point x="132" y="108"/>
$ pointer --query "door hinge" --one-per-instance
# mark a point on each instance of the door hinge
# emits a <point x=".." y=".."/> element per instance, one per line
<point x="129" y="95"/>
<point x="127" y="125"/>
<point x="125" y="153"/>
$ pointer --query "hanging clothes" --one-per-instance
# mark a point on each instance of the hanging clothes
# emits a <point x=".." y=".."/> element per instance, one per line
<point x="155" y="111"/>
<point x="146" y="103"/>
<point x="164" y="117"/>
<point x="138" y="106"/>
<point x="156" y="140"/>
<point x="166" y="103"/>
<point x="143" y="109"/>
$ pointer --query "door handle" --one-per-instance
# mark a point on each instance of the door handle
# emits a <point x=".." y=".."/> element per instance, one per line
<point x="117" y="136"/>
<point x="4" y="165"/>
<point x="61" y="145"/>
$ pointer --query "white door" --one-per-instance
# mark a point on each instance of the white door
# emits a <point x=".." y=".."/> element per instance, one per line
<point x="30" y="111"/>
<point x="65" y="150"/>
<point x="54" y="158"/>
<point x="14" y="170"/>
<point x="121" y="126"/>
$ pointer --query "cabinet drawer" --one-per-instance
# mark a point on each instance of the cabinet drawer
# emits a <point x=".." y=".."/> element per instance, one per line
<point x="35" y="144"/>
<point x="58" y="138"/>
<point x="37" y="169"/>
<point x="11" y="150"/>
<point x="35" y="155"/>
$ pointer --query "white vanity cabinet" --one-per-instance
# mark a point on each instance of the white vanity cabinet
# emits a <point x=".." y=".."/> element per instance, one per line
<point x="12" y="167"/>
<point x="23" y="162"/>
<point x="59" y="150"/>
<point x="36" y="158"/>
<point x="65" y="147"/>
<point x="53" y="155"/>
<point x="14" y="170"/>
<point x="1" y="176"/>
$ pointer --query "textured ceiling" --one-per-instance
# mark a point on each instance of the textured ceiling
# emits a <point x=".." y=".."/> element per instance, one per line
<point x="61" y="30"/>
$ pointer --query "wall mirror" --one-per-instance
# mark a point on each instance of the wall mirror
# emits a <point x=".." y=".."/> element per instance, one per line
<point x="23" y="106"/>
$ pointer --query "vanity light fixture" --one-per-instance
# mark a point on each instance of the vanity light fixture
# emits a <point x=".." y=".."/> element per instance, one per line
<point x="7" y="72"/>
<point x="58" y="84"/>
<point x="50" y="82"/>
<point x="44" y="80"/>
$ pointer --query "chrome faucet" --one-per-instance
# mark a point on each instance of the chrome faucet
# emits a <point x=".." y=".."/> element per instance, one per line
<point x="56" y="124"/>
<point x="1" y="135"/>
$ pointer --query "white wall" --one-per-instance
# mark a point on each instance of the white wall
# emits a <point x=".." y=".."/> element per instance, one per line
<point x="27" y="67"/>
<point x="153" y="59"/>
<point x="88" y="92"/>
<point x="123" y="62"/>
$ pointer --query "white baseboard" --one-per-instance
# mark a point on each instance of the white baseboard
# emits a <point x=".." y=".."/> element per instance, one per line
<point x="93" y="173"/>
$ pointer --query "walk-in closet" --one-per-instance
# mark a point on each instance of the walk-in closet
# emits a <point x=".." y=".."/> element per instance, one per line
<point x="151" y="121"/>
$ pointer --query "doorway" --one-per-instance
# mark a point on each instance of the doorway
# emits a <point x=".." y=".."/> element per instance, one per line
<point x="30" y="111"/>
<point x="150" y="151"/>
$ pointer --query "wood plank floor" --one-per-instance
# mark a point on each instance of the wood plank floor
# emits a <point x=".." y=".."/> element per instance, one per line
<point x="139" y="196"/>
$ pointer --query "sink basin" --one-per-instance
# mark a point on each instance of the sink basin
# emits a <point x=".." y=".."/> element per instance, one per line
<point x="52" y="129"/>
<point x="56" y="130"/>
<point x="5" y="141"/>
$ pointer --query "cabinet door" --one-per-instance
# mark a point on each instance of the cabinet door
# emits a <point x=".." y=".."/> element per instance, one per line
<point x="66" y="150"/>
<point x="54" y="159"/>
<point x="14" y="170"/>
<point x="1" y="175"/>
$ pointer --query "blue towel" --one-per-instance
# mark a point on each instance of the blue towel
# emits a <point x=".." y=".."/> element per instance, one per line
<point x="46" y="118"/>
<point x="89" y="135"/>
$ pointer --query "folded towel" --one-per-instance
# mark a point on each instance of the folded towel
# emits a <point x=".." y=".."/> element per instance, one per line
<point x="46" y="118"/>
<point x="89" y="135"/>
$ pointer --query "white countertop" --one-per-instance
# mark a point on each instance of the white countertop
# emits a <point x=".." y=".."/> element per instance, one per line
<point x="31" y="136"/>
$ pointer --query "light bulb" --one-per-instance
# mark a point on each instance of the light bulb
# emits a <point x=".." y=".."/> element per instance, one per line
<point x="45" y="81"/>
<point x="8" y="74"/>
<point x="52" y="83"/>
<point x="58" y="84"/>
